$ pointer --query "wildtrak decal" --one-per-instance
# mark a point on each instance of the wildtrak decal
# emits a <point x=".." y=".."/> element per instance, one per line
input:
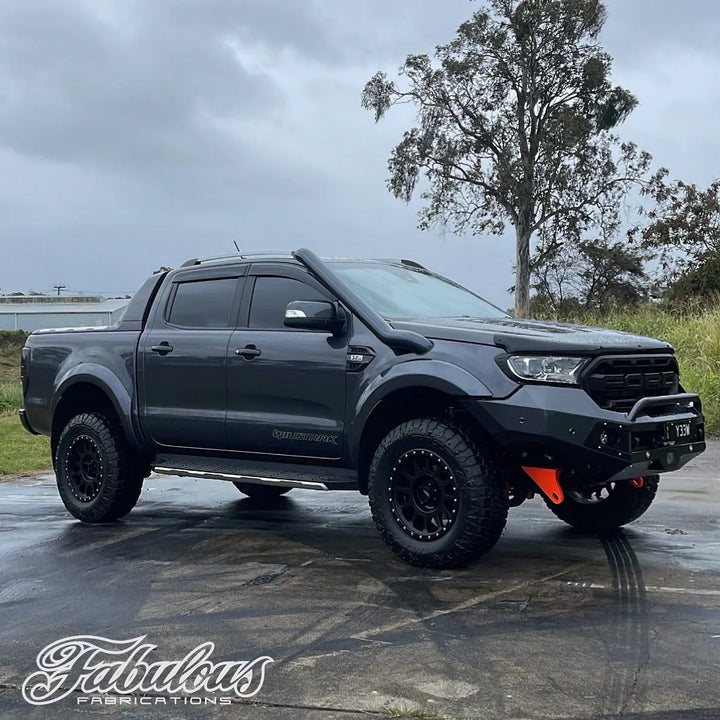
<point x="304" y="437"/>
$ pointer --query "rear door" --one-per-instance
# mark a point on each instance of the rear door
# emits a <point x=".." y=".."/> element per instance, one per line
<point x="286" y="387"/>
<point x="183" y="357"/>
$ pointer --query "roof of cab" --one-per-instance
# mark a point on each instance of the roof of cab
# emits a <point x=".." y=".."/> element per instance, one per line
<point x="289" y="255"/>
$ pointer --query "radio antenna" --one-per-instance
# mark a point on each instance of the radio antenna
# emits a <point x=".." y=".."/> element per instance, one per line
<point x="236" y="246"/>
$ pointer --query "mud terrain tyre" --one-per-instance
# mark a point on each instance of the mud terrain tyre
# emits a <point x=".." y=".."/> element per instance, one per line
<point x="97" y="477"/>
<point x="261" y="492"/>
<point x="436" y="497"/>
<point x="607" y="507"/>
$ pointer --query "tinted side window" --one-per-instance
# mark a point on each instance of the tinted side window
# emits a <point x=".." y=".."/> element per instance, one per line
<point x="271" y="297"/>
<point x="203" y="303"/>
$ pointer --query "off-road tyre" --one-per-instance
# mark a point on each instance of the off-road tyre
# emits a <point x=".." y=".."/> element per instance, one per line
<point x="261" y="492"/>
<point x="623" y="504"/>
<point x="98" y="479"/>
<point x="463" y="476"/>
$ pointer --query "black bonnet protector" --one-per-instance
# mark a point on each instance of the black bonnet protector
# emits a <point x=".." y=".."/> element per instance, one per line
<point x="586" y="342"/>
<point x="538" y="337"/>
<point x="534" y="336"/>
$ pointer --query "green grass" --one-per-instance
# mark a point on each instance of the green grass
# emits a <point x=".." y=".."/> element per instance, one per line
<point x="696" y="339"/>
<point x="21" y="452"/>
<point x="11" y="344"/>
<point x="10" y="395"/>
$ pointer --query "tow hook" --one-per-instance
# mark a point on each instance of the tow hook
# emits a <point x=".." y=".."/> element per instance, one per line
<point x="637" y="482"/>
<point x="547" y="479"/>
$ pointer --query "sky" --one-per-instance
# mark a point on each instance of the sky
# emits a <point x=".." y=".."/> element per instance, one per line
<point x="136" y="134"/>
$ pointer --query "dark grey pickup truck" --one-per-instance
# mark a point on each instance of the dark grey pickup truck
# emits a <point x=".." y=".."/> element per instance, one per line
<point x="280" y="371"/>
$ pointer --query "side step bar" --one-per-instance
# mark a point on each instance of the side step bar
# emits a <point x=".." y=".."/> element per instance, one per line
<point x="250" y="479"/>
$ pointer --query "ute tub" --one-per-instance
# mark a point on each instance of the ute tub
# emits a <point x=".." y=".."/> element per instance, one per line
<point x="562" y="427"/>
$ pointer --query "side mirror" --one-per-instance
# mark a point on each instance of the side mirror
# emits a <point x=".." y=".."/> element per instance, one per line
<point x="315" y="315"/>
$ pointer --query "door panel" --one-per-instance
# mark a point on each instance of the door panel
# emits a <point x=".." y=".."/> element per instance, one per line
<point x="286" y="388"/>
<point x="184" y="390"/>
<point x="183" y="359"/>
<point x="290" y="399"/>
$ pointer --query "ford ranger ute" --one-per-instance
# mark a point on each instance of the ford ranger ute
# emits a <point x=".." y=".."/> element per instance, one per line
<point x="277" y="371"/>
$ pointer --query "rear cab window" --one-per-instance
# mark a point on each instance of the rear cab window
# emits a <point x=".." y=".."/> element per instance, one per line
<point x="204" y="303"/>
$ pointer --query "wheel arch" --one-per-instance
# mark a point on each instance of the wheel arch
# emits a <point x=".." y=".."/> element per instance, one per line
<point x="395" y="407"/>
<point x="86" y="392"/>
<point x="411" y="389"/>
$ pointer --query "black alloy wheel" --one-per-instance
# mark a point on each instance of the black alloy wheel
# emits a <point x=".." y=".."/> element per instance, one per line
<point x="84" y="468"/>
<point x="436" y="495"/>
<point x="98" y="476"/>
<point x="423" y="495"/>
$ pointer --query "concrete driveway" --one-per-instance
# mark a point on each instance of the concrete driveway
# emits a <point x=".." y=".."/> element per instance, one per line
<point x="551" y="624"/>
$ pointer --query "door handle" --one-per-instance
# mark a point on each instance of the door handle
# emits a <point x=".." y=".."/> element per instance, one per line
<point x="162" y="349"/>
<point x="248" y="352"/>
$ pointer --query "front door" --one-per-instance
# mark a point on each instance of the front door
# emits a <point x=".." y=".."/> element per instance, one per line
<point x="286" y="388"/>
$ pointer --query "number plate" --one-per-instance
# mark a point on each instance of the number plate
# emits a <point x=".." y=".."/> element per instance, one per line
<point x="678" y="431"/>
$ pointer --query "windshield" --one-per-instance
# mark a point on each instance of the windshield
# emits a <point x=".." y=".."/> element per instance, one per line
<point x="403" y="293"/>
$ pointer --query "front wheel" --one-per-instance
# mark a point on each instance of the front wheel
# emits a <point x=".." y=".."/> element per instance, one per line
<point x="97" y="477"/>
<point x="436" y="497"/>
<point x="608" y="506"/>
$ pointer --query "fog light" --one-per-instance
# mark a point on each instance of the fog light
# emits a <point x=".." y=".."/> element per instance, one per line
<point x="609" y="438"/>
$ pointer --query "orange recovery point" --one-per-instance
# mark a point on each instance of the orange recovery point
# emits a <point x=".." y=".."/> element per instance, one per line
<point x="547" y="479"/>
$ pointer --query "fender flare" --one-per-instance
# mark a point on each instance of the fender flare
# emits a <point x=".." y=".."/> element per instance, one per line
<point x="431" y="374"/>
<point x="110" y="384"/>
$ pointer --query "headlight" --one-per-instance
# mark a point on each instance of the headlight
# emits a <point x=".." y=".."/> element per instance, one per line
<point x="542" y="369"/>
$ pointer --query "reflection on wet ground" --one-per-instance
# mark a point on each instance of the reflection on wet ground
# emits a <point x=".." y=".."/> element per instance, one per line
<point x="551" y="624"/>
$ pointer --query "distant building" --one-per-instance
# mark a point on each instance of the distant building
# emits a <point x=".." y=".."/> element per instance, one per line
<point x="33" y="312"/>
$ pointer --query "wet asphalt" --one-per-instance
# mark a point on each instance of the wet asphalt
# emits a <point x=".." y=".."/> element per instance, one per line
<point x="551" y="624"/>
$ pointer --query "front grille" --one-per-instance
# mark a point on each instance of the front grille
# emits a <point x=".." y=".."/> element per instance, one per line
<point x="618" y="382"/>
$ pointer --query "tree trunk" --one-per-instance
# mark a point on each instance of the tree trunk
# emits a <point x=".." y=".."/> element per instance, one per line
<point x="522" y="270"/>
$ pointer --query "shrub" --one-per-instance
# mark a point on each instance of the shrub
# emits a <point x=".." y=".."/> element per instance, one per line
<point x="699" y="286"/>
<point x="12" y="339"/>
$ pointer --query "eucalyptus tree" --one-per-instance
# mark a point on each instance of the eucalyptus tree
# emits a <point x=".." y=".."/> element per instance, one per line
<point x="514" y="125"/>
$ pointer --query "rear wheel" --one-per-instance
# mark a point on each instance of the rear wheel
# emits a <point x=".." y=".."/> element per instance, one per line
<point x="97" y="477"/>
<point x="607" y="506"/>
<point x="261" y="492"/>
<point x="436" y="497"/>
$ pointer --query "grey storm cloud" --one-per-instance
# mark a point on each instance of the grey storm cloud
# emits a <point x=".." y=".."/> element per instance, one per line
<point x="135" y="134"/>
<point x="123" y="96"/>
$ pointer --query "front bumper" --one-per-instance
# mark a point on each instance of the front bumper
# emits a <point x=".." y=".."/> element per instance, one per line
<point x="561" y="427"/>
